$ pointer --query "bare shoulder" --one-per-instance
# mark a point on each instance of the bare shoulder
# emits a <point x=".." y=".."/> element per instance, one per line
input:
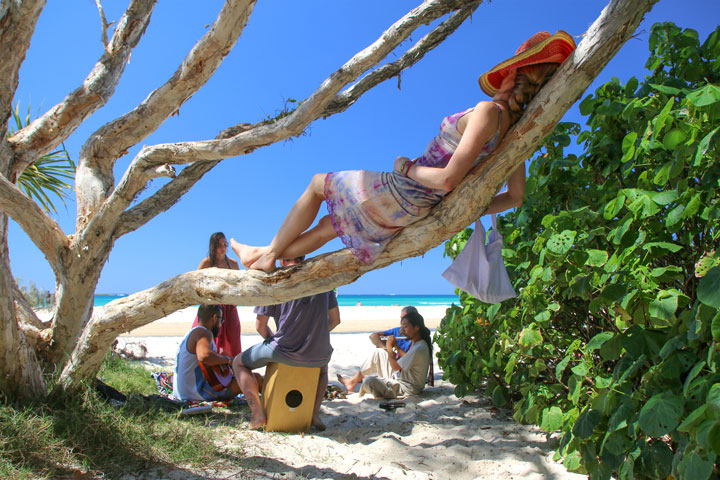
<point x="485" y="108"/>
<point x="195" y="336"/>
<point x="204" y="264"/>
<point x="233" y="264"/>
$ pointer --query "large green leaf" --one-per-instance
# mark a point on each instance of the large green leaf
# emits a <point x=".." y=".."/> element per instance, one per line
<point x="596" y="258"/>
<point x="530" y="336"/>
<point x="708" y="290"/>
<point x="673" y="138"/>
<point x="560" y="243"/>
<point x="713" y="400"/>
<point x="552" y="419"/>
<point x="586" y="423"/>
<point x="598" y="340"/>
<point x="695" y="467"/>
<point x="661" y="414"/>
<point x="704" y="96"/>
<point x="704" y="146"/>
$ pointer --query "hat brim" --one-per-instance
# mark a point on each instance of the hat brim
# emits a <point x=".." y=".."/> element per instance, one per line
<point x="554" y="49"/>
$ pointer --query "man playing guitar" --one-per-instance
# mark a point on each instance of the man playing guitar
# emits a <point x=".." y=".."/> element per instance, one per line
<point x="202" y="374"/>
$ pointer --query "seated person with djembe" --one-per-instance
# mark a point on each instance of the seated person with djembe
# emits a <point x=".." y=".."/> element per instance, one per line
<point x="202" y="374"/>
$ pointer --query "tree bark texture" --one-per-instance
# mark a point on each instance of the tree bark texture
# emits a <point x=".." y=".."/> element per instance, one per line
<point x="21" y="378"/>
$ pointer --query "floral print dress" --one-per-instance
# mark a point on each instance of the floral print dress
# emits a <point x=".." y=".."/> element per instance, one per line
<point x="368" y="209"/>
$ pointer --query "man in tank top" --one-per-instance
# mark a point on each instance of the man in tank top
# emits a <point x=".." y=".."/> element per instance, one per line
<point x="189" y="381"/>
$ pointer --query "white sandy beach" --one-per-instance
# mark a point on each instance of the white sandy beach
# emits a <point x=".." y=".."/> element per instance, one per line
<point x="353" y="319"/>
<point x="435" y="436"/>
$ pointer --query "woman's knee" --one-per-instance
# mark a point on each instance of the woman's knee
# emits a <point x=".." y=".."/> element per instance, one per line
<point x="325" y="228"/>
<point x="317" y="184"/>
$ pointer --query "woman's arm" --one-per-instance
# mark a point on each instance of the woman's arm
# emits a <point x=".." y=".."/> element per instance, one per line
<point x="513" y="196"/>
<point x="481" y="126"/>
<point x="205" y="263"/>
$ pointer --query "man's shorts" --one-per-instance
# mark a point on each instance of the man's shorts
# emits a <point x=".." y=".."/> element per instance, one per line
<point x="261" y="354"/>
<point x="210" y="395"/>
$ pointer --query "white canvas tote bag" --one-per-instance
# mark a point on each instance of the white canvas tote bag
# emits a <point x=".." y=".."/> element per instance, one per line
<point x="479" y="268"/>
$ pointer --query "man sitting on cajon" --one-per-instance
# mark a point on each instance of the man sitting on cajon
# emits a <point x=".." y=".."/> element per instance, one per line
<point x="302" y="339"/>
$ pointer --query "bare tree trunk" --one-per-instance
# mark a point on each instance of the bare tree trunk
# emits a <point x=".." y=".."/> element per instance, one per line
<point x="21" y="377"/>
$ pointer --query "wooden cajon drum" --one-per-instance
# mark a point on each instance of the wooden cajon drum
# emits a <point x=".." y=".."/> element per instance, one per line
<point x="289" y="397"/>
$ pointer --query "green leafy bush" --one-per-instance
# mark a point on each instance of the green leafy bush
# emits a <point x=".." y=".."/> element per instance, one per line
<point x="614" y="338"/>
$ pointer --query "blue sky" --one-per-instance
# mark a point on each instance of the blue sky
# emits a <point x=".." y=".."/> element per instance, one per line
<point x="287" y="50"/>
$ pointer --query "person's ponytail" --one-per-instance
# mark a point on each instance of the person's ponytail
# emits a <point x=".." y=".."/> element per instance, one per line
<point x="528" y="82"/>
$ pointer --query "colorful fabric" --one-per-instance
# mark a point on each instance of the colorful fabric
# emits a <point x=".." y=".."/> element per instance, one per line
<point x="228" y="338"/>
<point x="368" y="209"/>
<point x="163" y="382"/>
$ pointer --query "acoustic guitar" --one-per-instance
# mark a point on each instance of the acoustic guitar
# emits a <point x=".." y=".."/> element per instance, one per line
<point x="218" y="376"/>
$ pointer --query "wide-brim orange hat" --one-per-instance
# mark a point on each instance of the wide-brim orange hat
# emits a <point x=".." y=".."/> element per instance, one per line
<point x="540" y="48"/>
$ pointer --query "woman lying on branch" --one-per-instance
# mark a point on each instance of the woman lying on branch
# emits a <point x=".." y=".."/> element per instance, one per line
<point x="368" y="209"/>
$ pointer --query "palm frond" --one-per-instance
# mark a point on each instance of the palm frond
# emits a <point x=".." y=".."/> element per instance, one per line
<point x="49" y="176"/>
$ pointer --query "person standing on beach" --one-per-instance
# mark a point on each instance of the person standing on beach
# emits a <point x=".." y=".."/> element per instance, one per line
<point x="387" y="377"/>
<point x="302" y="339"/>
<point x="366" y="210"/>
<point x="189" y="380"/>
<point x="227" y="340"/>
<point x="379" y="338"/>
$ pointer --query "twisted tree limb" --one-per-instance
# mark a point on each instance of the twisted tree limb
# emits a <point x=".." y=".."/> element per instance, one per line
<point x="171" y="192"/>
<point x="50" y="130"/>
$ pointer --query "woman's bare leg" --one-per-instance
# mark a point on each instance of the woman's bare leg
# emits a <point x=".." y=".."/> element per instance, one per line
<point x="301" y="216"/>
<point x="247" y="254"/>
<point x="311" y="240"/>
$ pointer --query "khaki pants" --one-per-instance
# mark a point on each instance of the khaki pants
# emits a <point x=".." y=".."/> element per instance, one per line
<point x="378" y="375"/>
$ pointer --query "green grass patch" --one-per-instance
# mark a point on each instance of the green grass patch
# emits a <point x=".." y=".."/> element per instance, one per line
<point x="81" y="433"/>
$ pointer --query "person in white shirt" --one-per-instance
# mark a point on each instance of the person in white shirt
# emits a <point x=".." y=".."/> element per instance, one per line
<point x="384" y="376"/>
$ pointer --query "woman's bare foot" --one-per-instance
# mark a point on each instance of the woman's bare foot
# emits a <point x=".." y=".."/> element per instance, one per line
<point x="246" y="253"/>
<point x="266" y="262"/>
<point x="348" y="383"/>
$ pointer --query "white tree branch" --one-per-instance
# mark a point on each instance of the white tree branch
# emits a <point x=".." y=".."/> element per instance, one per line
<point x="45" y="233"/>
<point x="163" y="199"/>
<point x="414" y="54"/>
<point x="55" y="126"/>
<point x="95" y="178"/>
<point x="17" y="24"/>
<point x="265" y="133"/>
<point x="103" y="23"/>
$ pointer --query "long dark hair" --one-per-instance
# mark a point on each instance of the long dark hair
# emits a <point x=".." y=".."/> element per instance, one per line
<point x="214" y="240"/>
<point x="416" y="320"/>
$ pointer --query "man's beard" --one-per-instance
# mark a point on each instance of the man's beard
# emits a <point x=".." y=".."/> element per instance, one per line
<point x="215" y="330"/>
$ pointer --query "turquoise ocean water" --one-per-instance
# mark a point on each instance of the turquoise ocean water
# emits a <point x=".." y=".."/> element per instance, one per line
<point x="352" y="300"/>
